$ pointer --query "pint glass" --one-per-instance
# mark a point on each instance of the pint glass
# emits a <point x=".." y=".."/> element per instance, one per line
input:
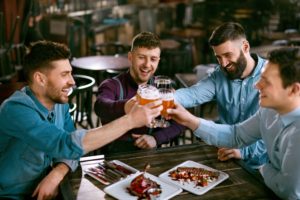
<point x="146" y="94"/>
<point x="167" y="97"/>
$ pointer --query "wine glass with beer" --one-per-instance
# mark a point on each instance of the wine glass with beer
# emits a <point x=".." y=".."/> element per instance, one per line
<point x="146" y="94"/>
<point x="166" y="92"/>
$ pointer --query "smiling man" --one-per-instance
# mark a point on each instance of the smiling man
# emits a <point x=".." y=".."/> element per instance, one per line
<point x="116" y="95"/>
<point x="38" y="141"/>
<point x="277" y="123"/>
<point x="231" y="86"/>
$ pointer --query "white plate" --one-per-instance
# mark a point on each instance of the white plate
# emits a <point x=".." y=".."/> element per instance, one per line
<point x="119" y="190"/>
<point x="190" y="186"/>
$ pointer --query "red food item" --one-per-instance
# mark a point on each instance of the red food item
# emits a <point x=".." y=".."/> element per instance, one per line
<point x="140" y="187"/>
<point x="200" y="176"/>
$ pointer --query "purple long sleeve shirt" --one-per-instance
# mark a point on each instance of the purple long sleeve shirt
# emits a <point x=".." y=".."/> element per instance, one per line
<point x="108" y="107"/>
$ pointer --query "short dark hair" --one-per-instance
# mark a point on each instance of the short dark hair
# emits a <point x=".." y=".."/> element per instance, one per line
<point x="41" y="53"/>
<point x="145" y="39"/>
<point x="288" y="62"/>
<point x="226" y="31"/>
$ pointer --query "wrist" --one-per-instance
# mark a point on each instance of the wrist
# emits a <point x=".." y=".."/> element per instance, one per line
<point x="193" y="123"/>
<point x="60" y="170"/>
<point x="129" y="121"/>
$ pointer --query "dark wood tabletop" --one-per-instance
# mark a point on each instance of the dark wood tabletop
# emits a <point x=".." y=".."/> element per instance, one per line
<point x="240" y="185"/>
<point x="101" y="63"/>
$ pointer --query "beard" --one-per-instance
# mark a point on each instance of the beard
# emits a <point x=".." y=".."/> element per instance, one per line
<point x="238" y="67"/>
<point x="56" y="96"/>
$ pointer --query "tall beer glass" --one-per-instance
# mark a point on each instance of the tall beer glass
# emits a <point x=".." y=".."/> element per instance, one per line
<point x="146" y="94"/>
<point x="167" y="97"/>
<point x="164" y="85"/>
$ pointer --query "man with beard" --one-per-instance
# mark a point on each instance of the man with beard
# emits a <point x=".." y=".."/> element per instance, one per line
<point x="116" y="95"/>
<point x="231" y="86"/>
<point x="277" y="123"/>
<point x="38" y="141"/>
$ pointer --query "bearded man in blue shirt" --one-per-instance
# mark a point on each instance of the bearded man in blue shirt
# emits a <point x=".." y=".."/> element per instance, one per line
<point x="231" y="86"/>
<point x="38" y="141"/>
<point x="277" y="123"/>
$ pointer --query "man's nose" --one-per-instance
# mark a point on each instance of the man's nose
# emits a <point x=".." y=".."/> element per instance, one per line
<point x="148" y="62"/>
<point x="72" y="81"/>
<point x="224" y="62"/>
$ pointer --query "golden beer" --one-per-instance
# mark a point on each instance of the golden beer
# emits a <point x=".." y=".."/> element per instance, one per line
<point x="167" y="96"/>
<point x="147" y="94"/>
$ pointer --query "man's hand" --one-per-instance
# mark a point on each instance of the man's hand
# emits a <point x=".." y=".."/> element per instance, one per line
<point x="183" y="116"/>
<point x="48" y="187"/>
<point x="144" y="141"/>
<point x="143" y="115"/>
<point x="226" y="154"/>
<point x="129" y="104"/>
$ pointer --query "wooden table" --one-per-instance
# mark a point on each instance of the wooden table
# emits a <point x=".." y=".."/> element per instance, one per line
<point x="109" y="63"/>
<point x="101" y="63"/>
<point x="240" y="185"/>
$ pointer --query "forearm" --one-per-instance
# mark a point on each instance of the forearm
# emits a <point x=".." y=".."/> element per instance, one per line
<point x="192" y="122"/>
<point x="60" y="171"/>
<point x="99" y="137"/>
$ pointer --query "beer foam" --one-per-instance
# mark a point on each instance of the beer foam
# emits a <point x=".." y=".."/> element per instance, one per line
<point x="167" y="96"/>
<point x="149" y="92"/>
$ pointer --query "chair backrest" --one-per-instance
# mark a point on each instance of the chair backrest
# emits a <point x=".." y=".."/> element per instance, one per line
<point x="82" y="96"/>
<point x="7" y="69"/>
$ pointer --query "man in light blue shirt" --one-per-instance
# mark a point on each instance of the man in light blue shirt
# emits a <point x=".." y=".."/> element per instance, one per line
<point x="38" y="141"/>
<point x="231" y="85"/>
<point x="277" y="123"/>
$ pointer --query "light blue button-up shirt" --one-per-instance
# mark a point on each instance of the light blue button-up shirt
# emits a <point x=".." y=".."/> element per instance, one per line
<point x="236" y="100"/>
<point x="281" y="134"/>
<point x="31" y="140"/>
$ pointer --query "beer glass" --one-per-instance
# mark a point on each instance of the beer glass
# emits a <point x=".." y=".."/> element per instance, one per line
<point x="146" y="94"/>
<point x="167" y="97"/>
<point x="164" y="86"/>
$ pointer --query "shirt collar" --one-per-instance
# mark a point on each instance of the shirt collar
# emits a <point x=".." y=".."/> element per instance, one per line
<point x="290" y="117"/>
<point x="259" y="65"/>
<point x="42" y="109"/>
<point x="132" y="83"/>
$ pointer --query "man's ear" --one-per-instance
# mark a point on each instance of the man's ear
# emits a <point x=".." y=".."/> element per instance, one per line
<point x="246" y="46"/>
<point x="129" y="55"/>
<point x="295" y="89"/>
<point x="39" y="78"/>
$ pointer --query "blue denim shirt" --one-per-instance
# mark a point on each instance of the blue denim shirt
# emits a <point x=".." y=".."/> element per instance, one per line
<point x="32" y="139"/>
<point x="281" y="134"/>
<point x="236" y="100"/>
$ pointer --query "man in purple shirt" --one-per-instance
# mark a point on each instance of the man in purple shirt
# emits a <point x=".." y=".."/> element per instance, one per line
<point x="116" y="96"/>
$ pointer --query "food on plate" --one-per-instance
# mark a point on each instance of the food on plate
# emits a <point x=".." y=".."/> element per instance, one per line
<point x="200" y="176"/>
<point x="144" y="187"/>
